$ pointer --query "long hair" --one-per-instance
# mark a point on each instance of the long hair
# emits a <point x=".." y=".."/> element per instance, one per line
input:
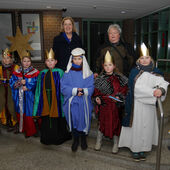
<point x="62" y="24"/>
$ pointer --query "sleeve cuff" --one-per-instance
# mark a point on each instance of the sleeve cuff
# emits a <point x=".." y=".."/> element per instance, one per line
<point x="85" y="91"/>
<point x="74" y="91"/>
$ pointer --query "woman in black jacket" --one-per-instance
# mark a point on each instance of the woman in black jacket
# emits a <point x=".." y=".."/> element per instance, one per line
<point x="65" y="42"/>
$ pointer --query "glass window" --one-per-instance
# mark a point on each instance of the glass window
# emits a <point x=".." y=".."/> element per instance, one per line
<point x="145" y="24"/>
<point x="154" y="22"/>
<point x="85" y="34"/>
<point x="164" y="20"/>
<point x="163" y="44"/>
<point x="138" y="26"/>
<point x="145" y="38"/>
<point x="154" y="42"/>
<point x="162" y="54"/>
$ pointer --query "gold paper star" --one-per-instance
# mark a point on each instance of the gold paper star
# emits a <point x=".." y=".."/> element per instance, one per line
<point x="20" y="43"/>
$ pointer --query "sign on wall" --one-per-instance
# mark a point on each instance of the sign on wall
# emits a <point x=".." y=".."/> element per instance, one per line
<point x="31" y="24"/>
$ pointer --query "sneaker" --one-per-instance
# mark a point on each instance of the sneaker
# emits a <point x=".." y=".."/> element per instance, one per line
<point x="136" y="156"/>
<point x="142" y="156"/>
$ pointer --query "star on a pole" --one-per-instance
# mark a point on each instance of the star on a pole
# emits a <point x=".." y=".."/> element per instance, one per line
<point x="20" y="43"/>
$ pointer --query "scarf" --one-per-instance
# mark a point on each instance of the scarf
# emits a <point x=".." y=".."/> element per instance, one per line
<point x="66" y="38"/>
<point x="147" y="68"/>
<point x="104" y="84"/>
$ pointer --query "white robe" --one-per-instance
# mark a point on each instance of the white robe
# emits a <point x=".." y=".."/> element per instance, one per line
<point x="144" y="131"/>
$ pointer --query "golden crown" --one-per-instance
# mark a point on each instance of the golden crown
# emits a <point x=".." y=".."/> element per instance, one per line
<point x="6" y="52"/>
<point x="50" y="54"/>
<point x="144" y="50"/>
<point x="108" y="58"/>
<point x="26" y="54"/>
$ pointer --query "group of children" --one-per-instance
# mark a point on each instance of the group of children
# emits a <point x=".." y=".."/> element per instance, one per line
<point x="61" y="103"/>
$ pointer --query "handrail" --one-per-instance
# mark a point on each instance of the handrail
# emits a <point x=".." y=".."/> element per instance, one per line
<point x="158" y="154"/>
<point x="161" y="59"/>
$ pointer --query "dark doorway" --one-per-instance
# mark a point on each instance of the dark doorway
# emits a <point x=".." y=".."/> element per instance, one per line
<point x="98" y="33"/>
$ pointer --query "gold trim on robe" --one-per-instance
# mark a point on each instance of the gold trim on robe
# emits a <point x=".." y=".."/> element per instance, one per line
<point x="53" y="111"/>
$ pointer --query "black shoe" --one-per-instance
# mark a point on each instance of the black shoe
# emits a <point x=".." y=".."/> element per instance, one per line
<point x="83" y="142"/>
<point x="26" y="137"/>
<point x="36" y="135"/>
<point x="16" y="130"/>
<point x="10" y="129"/>
<point x="169" y="147"/>
<point x="75" y="143"/>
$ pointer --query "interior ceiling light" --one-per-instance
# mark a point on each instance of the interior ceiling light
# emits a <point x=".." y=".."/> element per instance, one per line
<point x="123" y="12"/>
<point x="48" y="7"/>
<point x="94" y="6"/>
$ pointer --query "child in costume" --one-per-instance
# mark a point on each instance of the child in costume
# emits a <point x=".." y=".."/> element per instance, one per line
<point x="8" y="115"/>
<point x="109" y="93"/>
<point x="23" y="84"/>
<point x="77" y="87"/>
<point x="48" y="104"/>
<point x="140" y="126"/>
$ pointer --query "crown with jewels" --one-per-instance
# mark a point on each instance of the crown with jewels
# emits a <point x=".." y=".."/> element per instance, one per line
<point x="6" y="52"/>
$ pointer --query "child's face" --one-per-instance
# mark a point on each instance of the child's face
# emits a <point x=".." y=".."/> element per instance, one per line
<point x="26" y="62"/>
<point x="50" y="63"/>
<point x="109" y="67"/>
<point x="145" y="60"/>
<point x="7" y="60"/>
<point x="77" y="60"/>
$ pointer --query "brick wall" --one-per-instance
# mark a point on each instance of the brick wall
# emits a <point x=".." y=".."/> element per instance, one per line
<point x="51" y="27"/>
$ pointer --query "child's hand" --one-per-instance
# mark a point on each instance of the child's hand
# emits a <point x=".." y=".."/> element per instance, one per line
<point x="95" y="75"/>
<point x="23" y="82"/>
<point x="79" y="89"/>
<point x="79" y="93"/>
<point x="117" y="97"/>
<point x="98" y="101"/>
<point x="157" y="93"/>
<point x="24" y="88"/>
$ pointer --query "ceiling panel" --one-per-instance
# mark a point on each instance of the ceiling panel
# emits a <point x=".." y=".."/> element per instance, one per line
<point x="92" y="8"/>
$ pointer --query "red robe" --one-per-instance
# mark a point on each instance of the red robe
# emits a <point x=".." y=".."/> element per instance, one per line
<point x="108" y="112"/>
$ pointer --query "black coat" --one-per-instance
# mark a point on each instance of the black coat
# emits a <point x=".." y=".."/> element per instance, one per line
<point x="62" y="49"/>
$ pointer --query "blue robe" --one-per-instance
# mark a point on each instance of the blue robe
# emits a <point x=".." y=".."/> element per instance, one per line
<point x="24" y="100"/>
<point x="27" y="96"/>
<point x="77" y="109"/>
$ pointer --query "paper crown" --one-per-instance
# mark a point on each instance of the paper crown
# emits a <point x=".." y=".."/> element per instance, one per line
<point x="108" y="58"/>
<point x="50" y="54"/>
<point x="6" y="52"/>
<point x="144" y="50"/>
<point x="77" y="52"/>
<point x="25" y="54"/>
